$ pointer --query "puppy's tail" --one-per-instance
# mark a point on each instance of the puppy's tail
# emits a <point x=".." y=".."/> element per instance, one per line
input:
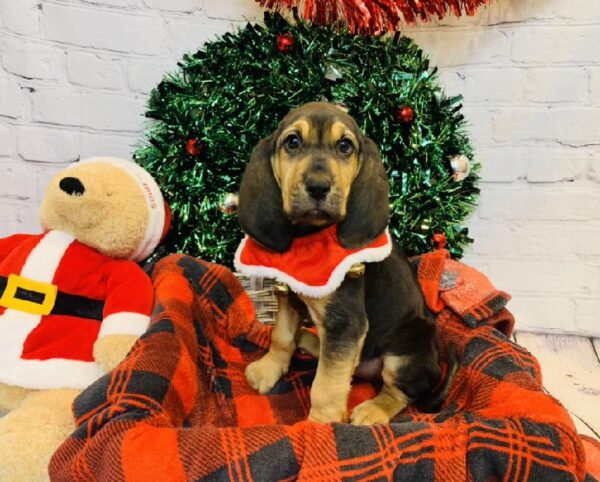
<point x="435" y="402"/>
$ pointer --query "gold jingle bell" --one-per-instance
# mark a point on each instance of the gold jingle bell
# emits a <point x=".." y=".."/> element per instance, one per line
<point x="356" y="270"/>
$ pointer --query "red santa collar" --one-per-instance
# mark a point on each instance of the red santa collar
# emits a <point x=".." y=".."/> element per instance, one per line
<point x="314" y="266"/>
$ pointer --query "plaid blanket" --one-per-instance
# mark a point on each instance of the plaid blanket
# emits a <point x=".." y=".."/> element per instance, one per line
<point x="179" y="408"/>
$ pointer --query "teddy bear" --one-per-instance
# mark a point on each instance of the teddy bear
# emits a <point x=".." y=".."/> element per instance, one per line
<point x="73" y="300"/>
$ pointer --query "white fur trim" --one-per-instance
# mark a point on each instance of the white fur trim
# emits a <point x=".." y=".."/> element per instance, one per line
<point x="46" y="374"/>
<point x="124" y="323"/>
<point x="43" y="261"/>
<point x="154" y="201"/>
<point x="367" y="255"/>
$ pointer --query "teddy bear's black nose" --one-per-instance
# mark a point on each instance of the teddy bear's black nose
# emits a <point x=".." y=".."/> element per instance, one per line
<point x="71" y="185"/>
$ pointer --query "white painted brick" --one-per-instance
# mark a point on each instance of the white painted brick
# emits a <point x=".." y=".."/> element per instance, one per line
<point x="543" y="277"/>
<point x="20" y="16"/>
<point x="556" y="85"/>
<point x="32" y="60"/>
<point x="144" y="75"/>
<point x="471" y="258"/>
<point x="233" y="9"/>
<point x="557" y="163"/>
<point x="46" y="144"/>
<point x="174" y="5"/>
<point x="186" y="36"/>
<point x="452" y="80"/>
<point x="581" y="10"/>
<point x="99" y="111"/>
<point x="491" y="239"/>
<point x="44" y="177"/>
<point x="534" y="239"/>
<point x="57" y="105"/>
<point x="93" y="144"/>
<point x="449" y="47"/>
<point x="28" y="219"/>
<point x="565" y="125"/>
<point x="502" y="164"/>
<point x="7" y="140"/>
<point x="479" y="125"/>
<point x="594" y="172"/>
<point x="14" y="100"/>
<point x="594" y="87"/>
<point x="549" y="314"/>
<point x="94" y="70"/>
<point x="489" y="85"/>
<point x="118" y="3"/>
<point x="586" y="317"/>
<point x="112" y="112"/>
<point x="586" y="240"/>
<point x="90" y="27"/>
<point x="543" y="169"/>
<point x="560" y="44"/>
<point x="549" y="205"/>
<point x="18" y="181"/>
<point x="8" y="217"/>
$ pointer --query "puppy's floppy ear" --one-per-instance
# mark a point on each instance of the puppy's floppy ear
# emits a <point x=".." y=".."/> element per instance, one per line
<point x="260" y="209"/>
<point x="367" y="211"/>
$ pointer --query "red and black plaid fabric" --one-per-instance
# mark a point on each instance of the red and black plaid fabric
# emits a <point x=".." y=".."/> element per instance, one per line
<point x="179" y="408"/>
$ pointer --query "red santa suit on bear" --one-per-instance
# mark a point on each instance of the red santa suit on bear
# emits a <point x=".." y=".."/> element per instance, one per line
<point x="58" y="296"/>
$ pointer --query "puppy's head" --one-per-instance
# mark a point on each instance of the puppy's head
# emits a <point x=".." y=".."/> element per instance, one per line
<point x="316" y="169"/>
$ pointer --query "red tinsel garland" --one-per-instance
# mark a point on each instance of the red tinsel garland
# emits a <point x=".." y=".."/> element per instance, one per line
<point x="374" y="16"/>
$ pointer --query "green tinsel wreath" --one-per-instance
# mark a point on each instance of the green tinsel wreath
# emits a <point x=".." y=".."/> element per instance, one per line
<point x="211" y="112"/>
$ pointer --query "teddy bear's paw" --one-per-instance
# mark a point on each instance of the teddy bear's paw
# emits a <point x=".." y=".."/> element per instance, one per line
<point x="31" y="433"/>
<point x="110" y="350"/>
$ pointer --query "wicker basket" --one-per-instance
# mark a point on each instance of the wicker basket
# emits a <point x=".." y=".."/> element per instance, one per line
<point x="261" y="293"/>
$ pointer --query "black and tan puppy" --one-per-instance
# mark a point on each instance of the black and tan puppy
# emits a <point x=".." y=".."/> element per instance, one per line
<point x="317" y="169"/>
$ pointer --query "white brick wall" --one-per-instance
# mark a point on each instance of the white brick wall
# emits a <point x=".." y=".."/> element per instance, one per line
<point x="75" y="74"/>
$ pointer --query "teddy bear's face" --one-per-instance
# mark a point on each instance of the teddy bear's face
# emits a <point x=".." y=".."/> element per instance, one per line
<point x="100" y="205"/>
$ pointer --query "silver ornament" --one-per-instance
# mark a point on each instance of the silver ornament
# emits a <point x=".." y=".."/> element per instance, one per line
<point x="333" y="72"/>
<point x="229" y="204"/>
<point x="461" y="166"/>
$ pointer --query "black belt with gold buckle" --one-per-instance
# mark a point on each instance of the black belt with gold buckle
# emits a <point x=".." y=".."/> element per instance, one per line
<point x="34" y="297"/>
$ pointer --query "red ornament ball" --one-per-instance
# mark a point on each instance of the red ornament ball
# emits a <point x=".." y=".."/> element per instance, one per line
<point x="405" y="114"/>
<point x="194" y="147"/>
<point x="439" y="240"/>
<point x="284" y="42"/>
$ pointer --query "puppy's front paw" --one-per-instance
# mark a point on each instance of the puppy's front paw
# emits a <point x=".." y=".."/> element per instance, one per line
<point x="330" y="414"/>
<point x="263" y="374"/>
<point x="369" y="413"/>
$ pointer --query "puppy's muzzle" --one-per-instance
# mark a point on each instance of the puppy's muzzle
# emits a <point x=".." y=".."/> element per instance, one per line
<point x="317" y="188"/>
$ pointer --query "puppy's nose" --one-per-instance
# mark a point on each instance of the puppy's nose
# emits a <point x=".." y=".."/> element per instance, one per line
<point x="72" y="186"/>
<point x="317" y="189"/>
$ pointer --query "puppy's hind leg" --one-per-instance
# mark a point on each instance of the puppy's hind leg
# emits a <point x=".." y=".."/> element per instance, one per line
<point x="309" y="342"/>
<point x="263" y="374"/>
<point x="389" y="401"/>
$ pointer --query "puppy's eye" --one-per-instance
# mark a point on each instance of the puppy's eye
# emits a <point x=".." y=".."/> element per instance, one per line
<point x="345" y="146"/>
<point x="292" y="142"/>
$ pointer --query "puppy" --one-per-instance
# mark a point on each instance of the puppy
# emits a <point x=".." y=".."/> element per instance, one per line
<point x="315" y="170"/>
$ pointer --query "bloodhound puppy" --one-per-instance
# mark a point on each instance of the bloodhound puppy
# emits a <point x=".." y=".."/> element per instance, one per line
<point x="315" y="170"/>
